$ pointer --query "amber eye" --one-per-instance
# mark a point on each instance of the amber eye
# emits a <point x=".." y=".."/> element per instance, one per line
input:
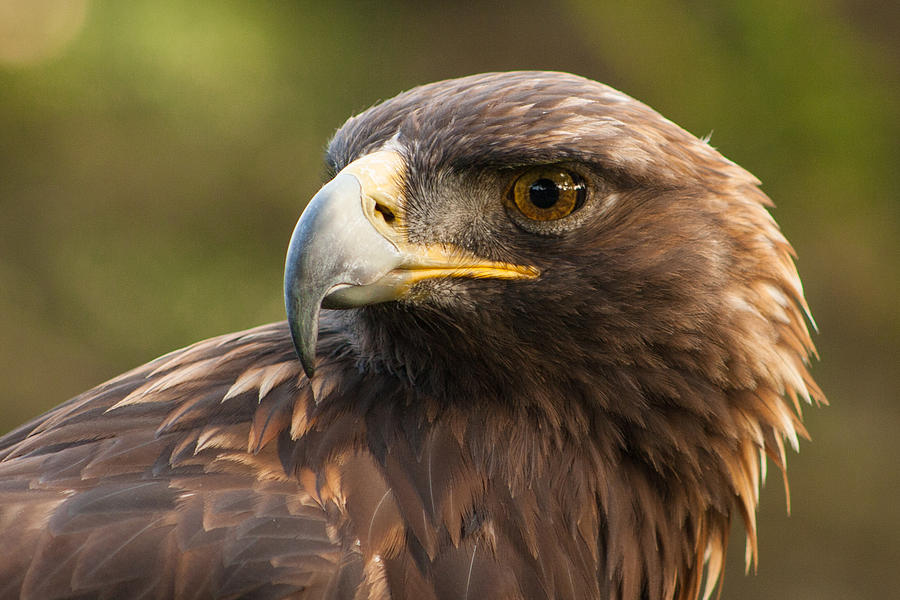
<point x="548" y="193"/>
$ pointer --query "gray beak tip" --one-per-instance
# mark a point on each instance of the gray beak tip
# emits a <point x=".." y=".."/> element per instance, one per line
<point x="305" y="346"/>
<point x="303" y="320"/>
<point x="308" y="367"/>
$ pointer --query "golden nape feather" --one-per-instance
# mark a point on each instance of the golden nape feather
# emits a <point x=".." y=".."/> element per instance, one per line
<point x="541" y="343"/>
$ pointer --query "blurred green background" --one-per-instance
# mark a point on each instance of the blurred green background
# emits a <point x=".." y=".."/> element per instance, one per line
<point x="154" y="156"/>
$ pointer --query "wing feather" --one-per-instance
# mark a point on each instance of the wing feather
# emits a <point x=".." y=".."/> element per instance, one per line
<point x="144" y="487"/>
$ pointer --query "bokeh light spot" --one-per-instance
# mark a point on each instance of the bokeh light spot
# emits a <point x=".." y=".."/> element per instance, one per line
<point x="32" y="31"/>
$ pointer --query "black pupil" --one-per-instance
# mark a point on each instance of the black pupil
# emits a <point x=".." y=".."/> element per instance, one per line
<point x="543" y="193"/>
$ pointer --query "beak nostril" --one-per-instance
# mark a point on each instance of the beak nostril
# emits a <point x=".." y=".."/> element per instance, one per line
<point x="385" y="212"/>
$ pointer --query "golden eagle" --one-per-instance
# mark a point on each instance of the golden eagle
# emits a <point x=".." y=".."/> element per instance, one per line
<point x="547" y="340"/>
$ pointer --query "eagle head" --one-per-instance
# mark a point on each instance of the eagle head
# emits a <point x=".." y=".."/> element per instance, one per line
<point x="543" y="246"/>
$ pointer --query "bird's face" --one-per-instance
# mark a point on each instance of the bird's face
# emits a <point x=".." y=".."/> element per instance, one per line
<point x="361" y="242"/>
<point x="547" y="224"/>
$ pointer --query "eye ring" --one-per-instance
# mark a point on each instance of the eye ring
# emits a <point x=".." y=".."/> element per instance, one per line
<point x="548" y="193"/>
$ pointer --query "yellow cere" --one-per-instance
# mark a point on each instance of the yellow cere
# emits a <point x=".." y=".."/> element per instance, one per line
<point x="380" y="176"/>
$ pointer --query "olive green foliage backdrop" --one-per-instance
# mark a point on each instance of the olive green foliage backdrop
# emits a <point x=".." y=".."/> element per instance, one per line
<point x="155" y="154"/>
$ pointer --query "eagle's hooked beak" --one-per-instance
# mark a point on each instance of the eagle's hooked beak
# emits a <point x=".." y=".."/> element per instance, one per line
<point x="350" y="249"/>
